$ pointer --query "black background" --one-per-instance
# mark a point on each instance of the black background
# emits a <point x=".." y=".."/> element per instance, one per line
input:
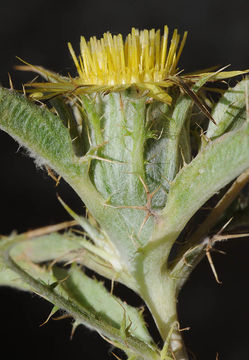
<point x="38" y="31"/>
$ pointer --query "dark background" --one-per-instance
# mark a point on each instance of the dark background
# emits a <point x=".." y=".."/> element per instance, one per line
<point x="38" y="31"/>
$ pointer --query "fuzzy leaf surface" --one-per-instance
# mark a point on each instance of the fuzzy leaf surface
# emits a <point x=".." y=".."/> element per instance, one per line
<point x="43" y="282"/>
<point x="229" y="110"/>
<point x="92" y="295"/>
<point x="39" y="130"/>
<point x="33" y="251"/>
<point x="214" y="167"/>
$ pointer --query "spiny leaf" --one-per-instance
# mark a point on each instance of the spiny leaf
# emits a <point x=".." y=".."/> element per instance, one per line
<point x="220" y="162"/>
<point x="52" y="312"/>
<point x="228" y="109"/>
<point x="48" y="247"/>
<point x="91" y="294"/>
<point x="83" y="315"/>
<point x="39" y="130"/>
<point x="93" y="233"/>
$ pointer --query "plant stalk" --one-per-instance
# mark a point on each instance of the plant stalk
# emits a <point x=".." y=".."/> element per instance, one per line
<point x="158" y="289"/>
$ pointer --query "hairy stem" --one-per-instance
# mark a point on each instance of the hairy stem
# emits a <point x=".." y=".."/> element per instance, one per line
<point x="158" y="290"/>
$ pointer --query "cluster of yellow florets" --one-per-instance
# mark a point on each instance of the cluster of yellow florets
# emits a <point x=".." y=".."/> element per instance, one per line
<point x="145" y="59"/>
<point x="144" y="56"/>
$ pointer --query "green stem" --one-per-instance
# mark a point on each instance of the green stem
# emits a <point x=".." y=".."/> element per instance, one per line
<point x="162" y="302"/>
<point x="158" y="290"/>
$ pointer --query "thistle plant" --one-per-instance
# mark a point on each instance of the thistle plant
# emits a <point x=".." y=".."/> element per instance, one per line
<point x="160" y="167"/>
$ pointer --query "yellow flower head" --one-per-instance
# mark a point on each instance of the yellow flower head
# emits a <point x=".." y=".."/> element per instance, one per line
<point x="144" y="57"/>
<point x="146" y="60"/>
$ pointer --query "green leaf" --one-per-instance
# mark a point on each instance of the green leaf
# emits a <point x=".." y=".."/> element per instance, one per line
<point x="10" y="278"/>
<point x="62" y="248"/>
<point x="39" y="130"/>
<point x="214" y="167"/>
<point x="186" y="264"/>
<point x="47" y="247"/>
<point x="166" y="154"/>
<point x="27" y="253"/>
<point x="46" y="285"/>
<point x="229" y="110"/>
<point x="92" y="295"/>
<point x="66" y="114"/>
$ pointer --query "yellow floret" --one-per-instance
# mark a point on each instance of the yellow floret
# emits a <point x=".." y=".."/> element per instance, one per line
<point x="144" y="57"/>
